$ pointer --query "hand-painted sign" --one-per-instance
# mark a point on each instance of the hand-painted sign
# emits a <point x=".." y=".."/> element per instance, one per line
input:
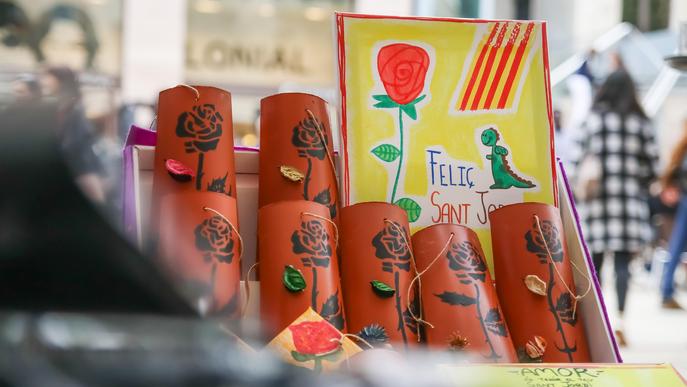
<point x="447" y="118"/>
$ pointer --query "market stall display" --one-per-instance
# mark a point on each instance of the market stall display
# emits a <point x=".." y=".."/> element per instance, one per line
<point x="298" y="264"/>
<point x="195" y="142"/>
<point x="355" y="271"/>
<point x="535" y="284"/>
<point x="297" y="151"/>
<point x="200" y="247"/>
<point x="376" y="273"/>
<point x="459" y="301"/>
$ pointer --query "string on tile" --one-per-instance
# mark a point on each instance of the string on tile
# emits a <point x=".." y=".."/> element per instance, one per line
<point x="576" y="297"/>
<point x="193" y="89"/>
<point x="418" y="319"/>
<point x="419" y="281"/>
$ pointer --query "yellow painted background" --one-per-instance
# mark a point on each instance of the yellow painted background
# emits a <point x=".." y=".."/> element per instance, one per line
<point x="525" y="132"/>
<point x="608" y="375"/>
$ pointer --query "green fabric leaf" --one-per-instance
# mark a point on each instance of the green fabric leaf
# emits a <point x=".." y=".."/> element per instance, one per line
<point x="293" y="279"/>
<point x="299" y="357"/>
<point x="386" y="152"/>
<point x="411" y="208"/>
<point x="453" y="298"/>
<point x="384" y="101"/>
<point x="382" y="289"/>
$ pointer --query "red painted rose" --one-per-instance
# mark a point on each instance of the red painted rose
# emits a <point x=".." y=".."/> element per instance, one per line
<point x="315" y="337"/>
<point x="402" y="69"/>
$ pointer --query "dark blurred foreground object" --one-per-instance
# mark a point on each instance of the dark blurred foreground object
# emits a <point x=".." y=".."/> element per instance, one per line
<point x="56" y="251"/>
<point x="77" y="350"/>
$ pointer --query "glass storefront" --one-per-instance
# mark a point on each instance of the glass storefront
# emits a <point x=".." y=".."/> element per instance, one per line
<point x="258" y="48"/>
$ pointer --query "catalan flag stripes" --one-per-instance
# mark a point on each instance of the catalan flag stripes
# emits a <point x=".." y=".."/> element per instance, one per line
<point x="497" y="68"/>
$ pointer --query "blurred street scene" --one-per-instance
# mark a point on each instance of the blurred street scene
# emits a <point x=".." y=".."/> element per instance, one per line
<point x="101" y="63"/>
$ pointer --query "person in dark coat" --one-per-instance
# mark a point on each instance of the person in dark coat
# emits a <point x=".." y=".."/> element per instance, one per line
<point x="60" y="86"/>
<point x="618" y="138"/>
<point x="674" y="183"/>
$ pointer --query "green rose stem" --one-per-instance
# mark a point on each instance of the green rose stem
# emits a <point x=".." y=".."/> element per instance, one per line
<point x="318" y="365"/>
<point x="493" y="355"/>
<point x="400" y="157"/>
<point x="399" y="312"/>
<point x="199" y="174"/>
<point x="307" y="179"/>
<point x="559" y="326"/>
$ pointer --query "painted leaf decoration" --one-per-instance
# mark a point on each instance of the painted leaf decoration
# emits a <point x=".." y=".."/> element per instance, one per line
<point x="418" y="99"/>
<point x="410" y="110"/>
<point x="384" y="101"/>
<point x="495" y="323"/>
<point x="333" y="356"/>
<point x="382" y="289"/>
<point x="535" y="284"/>
<point x="325" y="198"/>
<point x="453" y="298"/>
<point x="386" y="152"/>
<point x="564" y="307"/>
<point x="293" y="279"/>
<point x="299" y="357"/>
<point x="411" y="208"/>
<point x="331" y="311"/>
<point x="179" y="171"/>
<point x="291" y="173"/>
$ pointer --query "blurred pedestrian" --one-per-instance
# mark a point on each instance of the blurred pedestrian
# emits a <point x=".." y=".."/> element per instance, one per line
<point x="562" y="142"/>
<point x="581" y="88"/>
<point x="26" y="89"/>
<point x="674" y="184"/>
<point x="616" y="157"/>
<point x="61" y="86"/>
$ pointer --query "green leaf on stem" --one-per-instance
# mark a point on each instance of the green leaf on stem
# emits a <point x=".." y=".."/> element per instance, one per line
<point x="332" y="356"/>
<point x="410" y="110"/>
<point x="299" y="357"/>
<point x="418" y="99"/>
<point x="411" y="208"/>
<point x="386" y="152"/>
<point x="384" y="101"/>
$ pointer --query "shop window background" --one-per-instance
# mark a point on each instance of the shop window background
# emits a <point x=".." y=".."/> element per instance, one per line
<point x="257" y="48"/>
<point x="647" y="15"/>
<point x="447" y="8"/>
<point x="84" y="35"/>
<point x="522" y="9"/>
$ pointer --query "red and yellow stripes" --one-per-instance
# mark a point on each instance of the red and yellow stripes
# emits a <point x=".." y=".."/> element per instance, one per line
<point x="497" y="67"/>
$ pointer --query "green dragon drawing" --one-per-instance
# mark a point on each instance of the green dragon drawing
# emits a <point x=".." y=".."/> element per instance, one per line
<point x="504" y="177"/>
